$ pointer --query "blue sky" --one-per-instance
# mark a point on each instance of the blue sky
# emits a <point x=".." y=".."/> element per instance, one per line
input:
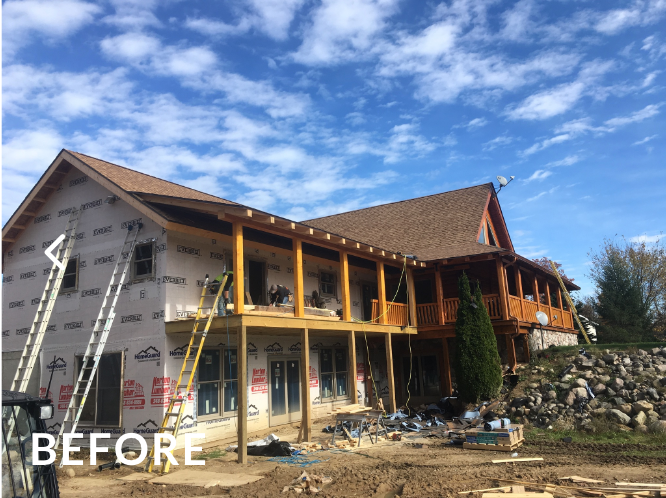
<point x="307" y="108"/>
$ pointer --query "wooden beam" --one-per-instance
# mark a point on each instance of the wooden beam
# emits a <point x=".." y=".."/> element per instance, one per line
<point x="439" y="292"/>
<point x="511" y="351"/>
<point x="239" y="269"/>
<point x="501" y="280"/>
<point x="306" y="404"/>
<point x="19" y="227"/>
<point x="381" y="293"/>
<point x="322" y="235"/>
<point x="351" y="346"/>
<point x="344" y="285"/>
<point x="299" y="301"/>
<point x="389" y="372"/>
<point x="241" y="355"/>
<point x="559" y="298"/>
<point x="447" y="388"/>
<point x="536" y="292"/>
<point x="519" y="288"/>
<point x="304" y="230"/>
<point x="264" y="218"/>
<point x="548" y="295"/>
<point x="526" y="348"/>
<point x="411" y="296"/>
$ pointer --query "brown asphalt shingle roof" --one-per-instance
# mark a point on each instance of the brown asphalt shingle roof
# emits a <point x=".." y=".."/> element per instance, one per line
<point x="134" y="181"/>
<point x="434" y="227"/>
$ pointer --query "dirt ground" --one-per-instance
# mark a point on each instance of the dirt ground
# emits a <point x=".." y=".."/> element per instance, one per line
<point x="391" y="469"/>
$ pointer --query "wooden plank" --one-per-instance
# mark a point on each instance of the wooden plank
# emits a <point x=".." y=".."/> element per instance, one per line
<point x="581" y="479"/>
<point x="537" y="459"/>
<point x="241" y="356"/>
<point x="517" y="489"/>
<point x="299" y="301"/>
<point x="389" y="371"/>
<point x="518" y="495"/>
<point x="306" y="404"/>
<point x="344" y="285"/>
<point x="639" y="484"/>
<point x="482" y="490"/>
<point x="411" y="296"/>
<point x="381" y="293"/>
<point x="239" y="269"/>
<point x="351" y="346"/>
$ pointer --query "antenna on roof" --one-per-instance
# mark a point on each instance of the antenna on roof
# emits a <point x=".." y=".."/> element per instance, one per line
<point x="503" y="182"/>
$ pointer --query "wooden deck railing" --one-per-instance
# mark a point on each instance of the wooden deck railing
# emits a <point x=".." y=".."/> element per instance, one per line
<point x="557" y="317"/>
<point x="397" y="314"/>
<point x="491" y="302"/>
<point x="427" y="314"/>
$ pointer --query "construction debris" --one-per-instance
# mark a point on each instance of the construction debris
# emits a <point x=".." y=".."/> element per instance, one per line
<point x="308" y="484"/>
<point x="537" y="459"/>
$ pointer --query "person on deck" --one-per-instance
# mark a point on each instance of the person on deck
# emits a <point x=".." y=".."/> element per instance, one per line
<point x="279" y="294"/>
<point x="227" y="293"/>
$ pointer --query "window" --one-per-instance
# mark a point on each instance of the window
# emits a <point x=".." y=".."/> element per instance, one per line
<point x="104" y="402"/>
<point x="482" y="236"/>
<point x="425" y="376"/>
<point x="491" y="235"/>
<point x="143" y="261"/>
<point x="217" y="382"/>
<point x="333" y="373"/>
<point x="327" y="285"/>
<point x="70" y="280"/>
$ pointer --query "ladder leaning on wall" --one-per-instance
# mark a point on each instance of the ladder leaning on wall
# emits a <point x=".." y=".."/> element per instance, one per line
<point x="45" y="307"/>
<point x="99" y="334"/>
<point x="567" y="297"/>
<point x="173" y="415"/>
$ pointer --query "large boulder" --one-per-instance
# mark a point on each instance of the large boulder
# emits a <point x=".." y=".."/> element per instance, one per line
<point x="617" y="384"/>
<point x="579" y="383"/>
<point x="599" y="389"/>
<point x="659" y="426"/>
<point x="639" y="419"/>
<point x="618" y="416"/>
<point x="580" y="392"/>
<point x="551" y="395"/>
<point x="610" y="358"/>
<point x="570" y="398"/>
<point x="642" y="406"/>
<point x="625" y="408"/>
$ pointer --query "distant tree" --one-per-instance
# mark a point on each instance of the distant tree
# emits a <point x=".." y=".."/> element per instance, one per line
<point x="477" y="362"/>
<point x="545" y="263"/>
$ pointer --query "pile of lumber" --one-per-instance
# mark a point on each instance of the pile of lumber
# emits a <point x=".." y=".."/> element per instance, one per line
<point x="586" y="488"/>
<point x="505" y="439"/>
<point x="308" y="484"/>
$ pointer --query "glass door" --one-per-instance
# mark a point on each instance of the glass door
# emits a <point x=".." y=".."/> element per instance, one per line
<point x="285" y="390"/>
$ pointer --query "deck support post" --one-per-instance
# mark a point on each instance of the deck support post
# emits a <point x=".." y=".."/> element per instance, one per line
<point x="389" y="372"/>
<point x="239" y="267"/>
<point x="344" y="285"/>
<point x="446" y="368"/>
<point x="439" y="290"/>
<point x="241" y="355"/>
<point x="501" y="280"/>
<point x="299" y="296"/>
<point x="519" y="288"/>
<point x="306" y="405"/>
<point x="381" y="292"/>
<point x="411" y="298"/>
<point x="510" y="352"/>
<point x="351" y="345"/>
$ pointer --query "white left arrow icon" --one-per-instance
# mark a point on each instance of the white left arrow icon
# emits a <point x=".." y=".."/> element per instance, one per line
<point x="50" y="249"/>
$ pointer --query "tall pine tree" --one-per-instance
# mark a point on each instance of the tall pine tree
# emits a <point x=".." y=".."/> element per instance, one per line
<point x="477" y="362"/>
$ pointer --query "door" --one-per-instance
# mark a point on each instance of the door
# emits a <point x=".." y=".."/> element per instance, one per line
<point x="256" y="280"/>
<point x="424" y="385"/>
<point x="285" y="390"/>
<point x="369" y="292"/>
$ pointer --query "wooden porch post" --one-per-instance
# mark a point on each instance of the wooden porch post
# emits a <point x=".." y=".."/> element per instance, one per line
<point x="381" y="292"/>
<point x="389" y="372"/>
<point x="559" y="299"/>
<point x="439" y="290"/>
<point x="239" y="270"/>
<point x="536" y="293"/>
<point x="519" y="288"/>
<point x="351" y="345"/>
<point x="241" y="354"/>
<point x="501" y="279"/>
<point x="511" y="351"/>
<point x="411" y="298"/>
<point x="446" y="368"/>
<point x="344" y="284"/>
<point x="299" y="296"/>
<point x="306" y="405"/>
<point x="548" y="294"/>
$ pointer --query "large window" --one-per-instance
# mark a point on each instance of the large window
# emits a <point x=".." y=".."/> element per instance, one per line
<point x="143" y="261"/>
<point x="327" y="285"/>
<point x="334" y="373"/>
<point x="104" y="402"/>
<point x="70" y="279"/>
<point x="217" y="382"/>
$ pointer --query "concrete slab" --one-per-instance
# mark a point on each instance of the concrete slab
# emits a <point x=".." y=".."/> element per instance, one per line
<point x="204" y="478"/>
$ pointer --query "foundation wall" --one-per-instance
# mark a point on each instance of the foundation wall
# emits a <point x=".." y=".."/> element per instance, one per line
<point x="540" y="339"/>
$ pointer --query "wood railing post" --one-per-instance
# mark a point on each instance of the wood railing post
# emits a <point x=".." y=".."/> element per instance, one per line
<point x="536" y="292"/>
<point x="344" y="285"/>
<point x="439" y="290"/>
<point x="519" y="288"/>
<point x="381" y="292"/>
<point x="239" y="269"/>
<point x="411" y="298"/>
<point x="351" y="346"/>
<point x="389" y="372"/>
<point x="501" y="278"/>
<point x="306" y="405"/>
<point x="241" y="355"/>
<point x="299" y="296"/>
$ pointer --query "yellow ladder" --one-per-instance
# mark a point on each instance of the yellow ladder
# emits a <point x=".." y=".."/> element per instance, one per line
<point x="570" y="303"/>
<point x="190" y="363"/>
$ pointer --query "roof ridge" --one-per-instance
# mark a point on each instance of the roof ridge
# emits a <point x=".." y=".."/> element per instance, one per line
<point x="144" y="174"/>
<point x="397" y="202"/>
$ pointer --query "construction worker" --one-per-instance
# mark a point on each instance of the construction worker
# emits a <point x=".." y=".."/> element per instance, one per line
<point x="280" y="295"/>
<point x="227" y="293"/>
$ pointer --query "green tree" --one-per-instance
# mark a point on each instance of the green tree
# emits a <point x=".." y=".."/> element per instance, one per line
<point x="477" y="362"/>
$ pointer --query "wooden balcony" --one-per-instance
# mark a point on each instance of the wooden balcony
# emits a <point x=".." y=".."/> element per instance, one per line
<point x="396" y="313"/>
<point x="525" y="310"/>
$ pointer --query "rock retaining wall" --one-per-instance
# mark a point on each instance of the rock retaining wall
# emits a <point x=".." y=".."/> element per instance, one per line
<point x="540" y="339"/>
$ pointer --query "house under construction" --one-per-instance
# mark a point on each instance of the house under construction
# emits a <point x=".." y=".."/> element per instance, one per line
<point x="260" y="366"/>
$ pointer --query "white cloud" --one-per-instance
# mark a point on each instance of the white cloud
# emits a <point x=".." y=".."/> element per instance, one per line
<point x="567" y="161"/>
<point x="541" y="194"/>
<point x="645" y="113"/>
<point x="639" y="13"/>
<point x="25" y="20"/>
<point x="645" y="140"/>
<point x="497" y="142"/>
<point x="473" y="124"/>
<point x="538" y="175"/>
<point x="340" y="31"/>
<point x="355" y="118"/>
<point x="133" y="14"/>
<point x="647" y="239"/>
<point x="547" y="143"/>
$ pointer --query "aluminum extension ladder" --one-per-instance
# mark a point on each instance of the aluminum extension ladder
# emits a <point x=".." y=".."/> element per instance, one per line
<point x="190" y="363"/>
<point x="567" y="297"/>
<point x="45" y="307"/>
<point x="99" y="334"/>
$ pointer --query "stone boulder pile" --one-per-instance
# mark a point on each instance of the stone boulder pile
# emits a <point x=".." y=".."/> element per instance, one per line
<point x="628" y="389"/>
